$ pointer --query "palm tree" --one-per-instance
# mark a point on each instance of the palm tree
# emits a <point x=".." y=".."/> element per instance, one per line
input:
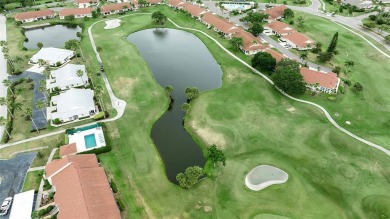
<point x="80" y="74"/>
<point x="42" y="89"/>
<point x="4" y="102"/>
<point x="89" y="74"/>
<point x="47" y="72"/>
<point x="303" y="56"/>
<point x="349" y="64"/>
<point x="3" y="43"/>
<point x="28" y="113"/>
<point x="5" y="50"/>
<point x="41" y="62"/>
<point x="99" y="49"/>
<point x="8" y="83"/>
<point x="18" y="106"/>
<point x="41" y="105"/>
<point x="99" y="94"/>
<point x="4" y="123"/>
<point x="9" y="60"/>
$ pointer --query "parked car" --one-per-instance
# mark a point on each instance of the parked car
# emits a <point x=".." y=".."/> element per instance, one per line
<point x="5" y="206"/>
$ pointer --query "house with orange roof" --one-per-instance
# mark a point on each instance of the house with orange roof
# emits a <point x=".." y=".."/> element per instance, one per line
<point x="69" y="149"/>
<point x="298" y="41"/>
<point x="219" y="24"/>
<point x="320" y="81"/>
<point x="76" y="12"/>
<point x="32" y="16"/>
<point x="81" y="188"/>
<point x="277" y="55"/>
<point x="275" y="13"/>
<point x="195" y="10"/>
<point x="116" y="8"/>
<point x="250" y="44"/>
<point x="86" y="3"/>
<point x="176" y="4"/>
<point x="278" y="28"/>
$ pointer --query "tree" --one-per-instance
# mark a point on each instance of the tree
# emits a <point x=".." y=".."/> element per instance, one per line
<point x="41" y="105"/>
<point x="40" y="45"/>
<point x="192" y="93"/>
<point x="80" y="74"/>
<point x="70" y="17"/>
<point x="190" y="177"/>
<point x="41" y="62"/>
<point x="288" y="13"/>
<point x="28" y="113"/>
<point x="185" y="107"/>
<point x="4" y="123"/>
<point x="99" y="49"/>
<point x="89" y="74"/>
<point x="387" y="38"/>
<point x="159" y="17"/>
<point x="168" y="89"/>
<point x="4" y="102"/>
<point x="99" y="94"/>
<point x="358" y="87"/>
<point x="288" y="78"/>
<point x="95" y="14"/>
<point x="349" y="64"/>
<point x="236" y="43"/>
<point x="303" y="56"/>
<point x="47" y="72"/>
<point x="256" y="29"/>
<point x="324" y="56"/>
<point x="215" y="155"/>
<point x="142" y="3"/>
<point x="254" y="17"/>
<point x="8" y="83"/>
<point x="78" y="34"/>
<point x="18" y="106"/>
<point x="332" y="46"/>
<point x="288" y="63"/>
<point x="264" y="61"/>
<point x="301" y="21"/>
<point x="42" y="88"/>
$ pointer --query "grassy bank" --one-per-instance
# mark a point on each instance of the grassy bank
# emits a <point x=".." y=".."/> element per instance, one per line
<point x="331" y="175"/>
<point x="32" y="181"/>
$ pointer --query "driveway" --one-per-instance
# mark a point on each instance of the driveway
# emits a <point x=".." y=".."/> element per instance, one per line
<point x="12" y="174"/>
<point x="3" y="71"/>
<point x="38" y="117"/>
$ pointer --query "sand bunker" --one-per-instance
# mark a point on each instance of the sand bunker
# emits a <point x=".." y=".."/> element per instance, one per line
<point x="111" y="24"/>
<point x="263" y="176"/>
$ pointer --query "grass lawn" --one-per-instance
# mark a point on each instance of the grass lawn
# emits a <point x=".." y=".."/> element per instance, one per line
<point x="335" y="8"/>
<point x="367" y="111"/>
<point x="330" y="174"/>
<point x="32" y="181"/>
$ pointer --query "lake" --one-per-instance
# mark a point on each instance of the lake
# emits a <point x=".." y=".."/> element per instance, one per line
<point x="179" y="59"/>
<point x="52" y="36"/>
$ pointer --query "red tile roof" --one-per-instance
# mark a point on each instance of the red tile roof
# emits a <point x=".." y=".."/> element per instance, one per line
<point x="280" y="27"/>
<point x="176" y="3"/>
<point x="84" y="192"/>
<point x="250" y="42"/>
<point x="277" y="55"/>
<point x="85" y="1"/>
<point x="220" y="24"/>
<point x="328" y="80"/>
<point x="81" y="161"/>
<point x="75" y="11"/>
<point x="299" y="39"/>
<point x="115" y="7"/>
<point x="34" y="14"/>
<point x="68" y="149"/>
<point x="276" y="11"/>
<point x="194" y="10"/>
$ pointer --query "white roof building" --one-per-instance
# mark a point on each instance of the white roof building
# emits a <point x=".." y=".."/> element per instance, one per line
<point x="73" y="104"/>
<point x="66" y="77"/>
<point x="53" y="55"/>
<point x="22" y="205"/>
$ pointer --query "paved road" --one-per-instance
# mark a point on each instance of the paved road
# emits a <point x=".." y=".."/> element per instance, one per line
<point x="12" y="174"/>
<point x="38" y="117"/>
<point x="3" y="71"/>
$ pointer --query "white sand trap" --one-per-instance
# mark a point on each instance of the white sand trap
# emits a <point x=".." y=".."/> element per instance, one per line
<point x="263" y="176"/>
<point x="111" y="24"/>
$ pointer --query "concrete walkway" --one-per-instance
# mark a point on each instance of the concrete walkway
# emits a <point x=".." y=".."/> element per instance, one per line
<point x="3" y="71"/>
<point x="40" y="190"/>
<point x="380" y="148"/>
<point x="31" y="169"/>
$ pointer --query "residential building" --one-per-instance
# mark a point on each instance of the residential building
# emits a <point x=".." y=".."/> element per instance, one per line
<point x="298" y="41"/>
<point x="81" y="188"/>
<point x="52" y="56"/>
<point x="194" y="10"/>
<point x="251" y="44"/>
<point x="275" y="13"/>
<point x="69" y="149"/>
<point x="219" y="24"/>
<point x="277" y="28"/>
<point x="277" y="55"/>
<point x="31" y="16"/>
<point x="77" y="12"/>
<point x="320" y="81"/>
<point x="177" y="4"/>
<point x="66" y="77"/>
<point x="73" y="104"/>
<point x="86" y="3"/>
<point x="116" y="8"/>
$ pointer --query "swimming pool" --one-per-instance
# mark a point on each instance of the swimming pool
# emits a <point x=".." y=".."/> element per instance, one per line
<point x="240" y="7"/>
<point x="90" y="141"/>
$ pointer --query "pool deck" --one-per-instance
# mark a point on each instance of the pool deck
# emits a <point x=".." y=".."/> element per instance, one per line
<point x="78" y="138"/>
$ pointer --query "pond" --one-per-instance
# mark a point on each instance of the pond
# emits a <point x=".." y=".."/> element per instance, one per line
<point x="52" y="36"/>
<point x="179" y="59"/>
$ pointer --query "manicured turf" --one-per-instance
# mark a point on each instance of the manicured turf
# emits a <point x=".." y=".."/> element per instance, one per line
<point x="32" y="181"/>
<point x="367" y="111"/>
<point x="330" y="174"/>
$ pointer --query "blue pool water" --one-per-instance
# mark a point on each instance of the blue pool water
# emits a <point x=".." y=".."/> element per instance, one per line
<point x="90" y="141"/>
<point x="231" y="7"/>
